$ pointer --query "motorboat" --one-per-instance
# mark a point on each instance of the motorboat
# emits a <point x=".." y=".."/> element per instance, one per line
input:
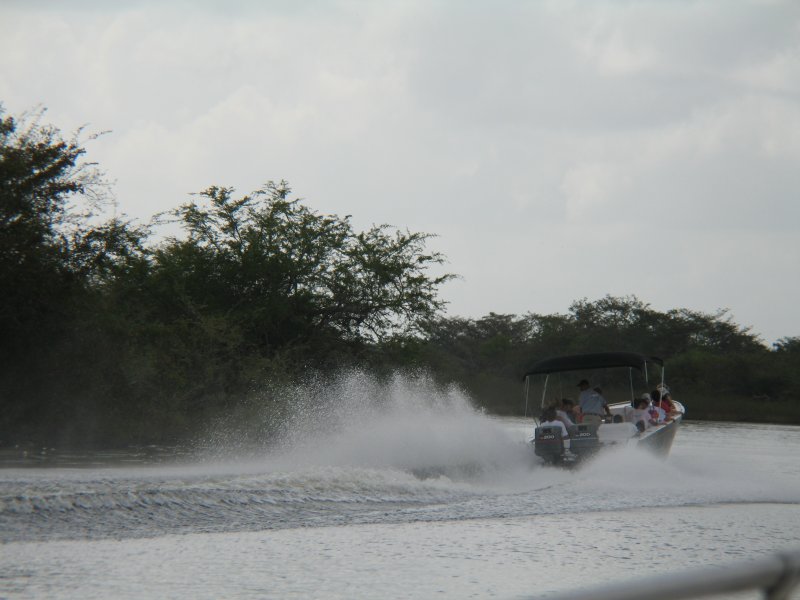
<point x="622" y="380"/>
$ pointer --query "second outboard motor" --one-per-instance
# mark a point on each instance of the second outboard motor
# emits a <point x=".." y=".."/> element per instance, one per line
<point x="583" y="439"/>
<point x="547" y="443"/>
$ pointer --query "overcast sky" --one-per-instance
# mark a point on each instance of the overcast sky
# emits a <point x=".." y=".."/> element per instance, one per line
<point x="560" y="149"/>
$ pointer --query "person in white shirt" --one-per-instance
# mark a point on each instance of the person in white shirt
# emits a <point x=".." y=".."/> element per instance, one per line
<point x="641" y="414"/>
<point x="661" y="416"/>
<point x="549" y="419"/>
<point x="661" y="407"/>
<point x="566" y="413"/>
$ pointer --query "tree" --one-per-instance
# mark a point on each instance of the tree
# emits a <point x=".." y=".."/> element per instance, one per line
<point x="259" y="287"/>
<point x="53" y="264"/>
<point x="38" y="173"/>
<point x="708" y="355"/>
<point x="47" y="249"/>
<point x="105" y="338"/>
<point x="788" y="345"/>
<point x="285" y="276"/>
<point x="627" y="322"/>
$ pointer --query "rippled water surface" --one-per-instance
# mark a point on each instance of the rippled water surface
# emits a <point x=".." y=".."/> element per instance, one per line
<point x="413" y="500"/>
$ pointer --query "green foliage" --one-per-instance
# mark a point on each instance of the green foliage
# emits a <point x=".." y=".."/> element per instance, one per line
<point x="788" y="345"/>
<point x="48" y="252"/>
<point x="714" y="360"/>
<point x="38" y="173"/>
<point x="107" y="338"/>
<point x="285" y="275"/>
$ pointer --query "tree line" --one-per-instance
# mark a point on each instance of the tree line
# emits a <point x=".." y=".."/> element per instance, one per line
<point x="110" y="334"/>
<point x="720" y="370"/>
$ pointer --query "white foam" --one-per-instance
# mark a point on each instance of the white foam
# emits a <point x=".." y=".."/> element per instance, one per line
<point x="407" y="422"/>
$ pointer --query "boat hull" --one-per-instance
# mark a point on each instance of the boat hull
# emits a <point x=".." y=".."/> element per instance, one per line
<point x="629" y="423"/>
<point x="660" y="440"/>
<point x="657" y="440"/>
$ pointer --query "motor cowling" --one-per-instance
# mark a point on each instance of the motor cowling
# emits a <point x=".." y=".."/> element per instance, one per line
<point x="547" y="443"/>
<point x="583" y="439"/>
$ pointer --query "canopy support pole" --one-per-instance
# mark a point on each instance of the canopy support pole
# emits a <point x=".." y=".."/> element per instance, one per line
<point x="544" y="390"/>
<point x="630" y="378"/>
<point x="527" y="389"/>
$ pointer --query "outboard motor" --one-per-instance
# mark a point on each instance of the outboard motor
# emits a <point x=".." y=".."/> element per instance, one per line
<point x="547" y="443"/>
<point x="583" y="439"/>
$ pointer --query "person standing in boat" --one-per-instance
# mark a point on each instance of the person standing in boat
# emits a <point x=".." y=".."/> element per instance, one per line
<point x="592" y="404"/>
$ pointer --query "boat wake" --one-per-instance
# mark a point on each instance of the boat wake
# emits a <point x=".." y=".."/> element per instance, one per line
<point x="352" y="450"/>
<point x="358" y="450"/>
<point x="407" y="423"/>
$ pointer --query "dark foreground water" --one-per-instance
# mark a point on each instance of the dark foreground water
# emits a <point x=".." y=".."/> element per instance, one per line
<point x="416" y="501"/>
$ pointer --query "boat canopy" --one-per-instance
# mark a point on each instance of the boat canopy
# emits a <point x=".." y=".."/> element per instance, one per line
<point x="601" y="360"/>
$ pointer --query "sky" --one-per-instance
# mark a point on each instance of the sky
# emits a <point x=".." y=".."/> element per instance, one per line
<point x="559" y="150"/>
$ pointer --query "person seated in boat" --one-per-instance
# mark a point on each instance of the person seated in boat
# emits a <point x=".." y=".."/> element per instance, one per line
<point x="658" y="413"/>
<point x="566" y="413"/>
<point x="666" y="403"/>
<point x="592" y="404"/>
<point x="663" y="406"/>
<point x="550" y="419"/>
<point x="642" y="414"/>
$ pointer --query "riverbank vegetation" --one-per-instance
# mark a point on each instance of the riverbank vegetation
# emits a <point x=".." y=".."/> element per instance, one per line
<point x="720" y="370"/>
<point x="111" y="335"/>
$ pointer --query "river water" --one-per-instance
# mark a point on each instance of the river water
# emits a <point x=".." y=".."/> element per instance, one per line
<point x="417" y="496"/>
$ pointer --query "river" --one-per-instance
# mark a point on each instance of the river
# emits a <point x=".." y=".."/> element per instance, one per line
<point x="412" y="499"/>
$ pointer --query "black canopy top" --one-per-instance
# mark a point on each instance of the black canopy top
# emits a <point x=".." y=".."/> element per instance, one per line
<point x="601" y="360"/>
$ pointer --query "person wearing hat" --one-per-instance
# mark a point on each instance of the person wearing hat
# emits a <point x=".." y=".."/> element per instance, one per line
<point x="593" y="405"/>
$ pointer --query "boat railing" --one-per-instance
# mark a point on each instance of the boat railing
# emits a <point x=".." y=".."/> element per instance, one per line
<point x="776" y="576"/>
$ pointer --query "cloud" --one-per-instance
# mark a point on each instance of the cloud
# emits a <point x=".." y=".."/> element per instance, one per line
<point x="560" y="149"/>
